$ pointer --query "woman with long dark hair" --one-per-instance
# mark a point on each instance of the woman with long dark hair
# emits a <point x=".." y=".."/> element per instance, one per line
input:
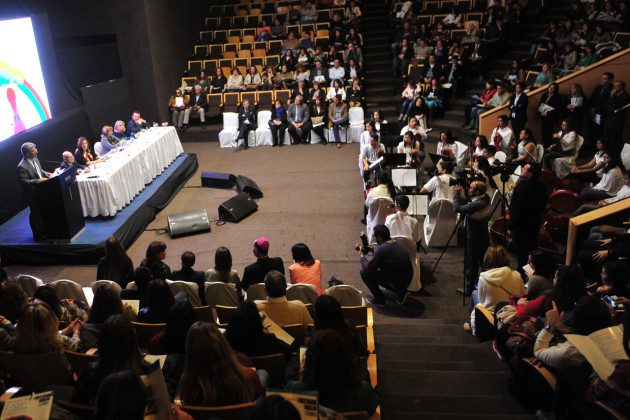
<point x="541" y="279"/>
<point x="156" y="253"/>
<point x="212" y="375"/>
<point x="223" y="272"/>
<point x="159" y="300"/>
<point x="306" y="270"/>
<point x="116" y="264"/>
<point x="105" y="304"/>
<point x="611" y="182"/>
<point x="329" y="315"/>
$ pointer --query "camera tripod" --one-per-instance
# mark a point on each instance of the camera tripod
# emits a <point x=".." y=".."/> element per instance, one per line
<point x="464" y="217"/>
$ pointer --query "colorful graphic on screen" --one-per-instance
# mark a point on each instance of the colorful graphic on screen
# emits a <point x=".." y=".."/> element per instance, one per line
<point x="23" y="98"/>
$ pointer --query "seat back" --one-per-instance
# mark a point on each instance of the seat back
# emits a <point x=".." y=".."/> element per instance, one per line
<point x="145" y="332"/>
<point x="540" y="151"/>
<point x="275" y="365"/>
<point x="226" y="412"/>
<point x="298" y="332"/>
<point x="79" y="360"/>
<point x="29" y="283"/>
<point x="68" y="289"/>
<point x="356" y="116"/>
<point x="204" y="313"/>
<point x="230" y="120"/>
<point x="263" y="118"/>
<point x="439" y="222"/>
<point x="346" y="295"/>
<point x="219" y="293"/>
<point x="36" y="371"/>
<point x="230" y="105"/>
<point x="462" y="153"/>
<point x="110" y="284"/>
<point x="355" y="315"/>
<point x="265" y="100"/>
<point x="283" y="95"/>
<point x="305" y="293"/>
<point x="250" y="96"/>
<point x="190" y="288"/>
<point x="224" y="314"/>
<point x="411" y="247"/>
<point x="500" y="156"/>
<point x="256" y="291"/>
<point x="98" y="148"/>
<point x="377" y="212"/>
<point x="483" y="327"/>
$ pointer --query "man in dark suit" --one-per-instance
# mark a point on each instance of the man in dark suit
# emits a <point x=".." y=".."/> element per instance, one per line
<point x="30" y="173"/>
<point x="299" y="118"/>
<point x="256" y="272"/>
<point x="188" y="274"/>
<point x="598" y="98"/>
<point x="432" y="70"/>
<point x="528" y="203"/>
<point x="136" y="124"/>
<point x="615" y="115"/>
<point x="198" y="103"/>
<point x="477" y="57"/>
<point x="68" y="160"/>
<point x="246" y="122"/>
<point x="518" y="109"/>
<point x="319" y="74"/>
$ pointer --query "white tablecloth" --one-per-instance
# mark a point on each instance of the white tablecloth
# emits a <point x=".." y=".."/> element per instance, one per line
<point x="127" y="171"/>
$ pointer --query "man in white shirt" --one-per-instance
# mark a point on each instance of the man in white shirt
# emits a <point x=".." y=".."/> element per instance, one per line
<point x="439" y="184"/>
<point x="502" y="136"/>
<point x="623" y="193"/>
<point x="401" y="223"/>
<point x="336" y="72"/>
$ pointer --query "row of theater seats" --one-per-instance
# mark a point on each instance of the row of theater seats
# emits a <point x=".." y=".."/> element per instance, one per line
<point x="253" y="17"/>
<point x="444" y="6"/>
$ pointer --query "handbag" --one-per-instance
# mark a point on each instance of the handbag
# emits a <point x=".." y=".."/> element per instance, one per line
<point x="522" y="338"/>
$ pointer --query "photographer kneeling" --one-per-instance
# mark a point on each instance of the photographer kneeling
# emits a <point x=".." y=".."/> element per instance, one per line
<point x="390" y="267"/>
<point x="476" y="206"/>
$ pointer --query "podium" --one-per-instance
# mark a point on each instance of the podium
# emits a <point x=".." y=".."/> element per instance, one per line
<point x="60" y="204"/>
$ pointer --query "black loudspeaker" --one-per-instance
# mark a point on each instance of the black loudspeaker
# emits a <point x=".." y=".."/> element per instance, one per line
<point x="189" y="223"/>
<point x="217" y="180"/>
<point x="237" y="208"/>
<point x="247" y="186"/>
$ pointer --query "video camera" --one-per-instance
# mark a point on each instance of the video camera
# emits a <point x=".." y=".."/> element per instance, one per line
<point x="506" y="169"/>
<point x="364" y="246"/>
<point x="464" y="178"/>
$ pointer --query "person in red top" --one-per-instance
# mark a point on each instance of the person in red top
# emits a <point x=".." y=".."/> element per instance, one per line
<point x="484" y="97"/>
<point x="306" y="269"/>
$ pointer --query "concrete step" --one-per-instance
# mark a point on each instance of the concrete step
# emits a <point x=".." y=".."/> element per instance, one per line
<point x="435" y="404"/>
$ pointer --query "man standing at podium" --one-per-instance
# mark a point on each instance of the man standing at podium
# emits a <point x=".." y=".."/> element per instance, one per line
<point x="30" y="173"/>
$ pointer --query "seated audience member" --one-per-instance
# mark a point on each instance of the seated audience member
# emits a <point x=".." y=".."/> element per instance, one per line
<point x="223" y="272"/>
<point x="610" y="184"/>
<point x="278" y="30"/>
<point x="419" y="110"/>
<point x="123" y="395"/>
<point x="65" y="310"/>
<point x="105" y="304"/>
<point x="319" y="113"/>
<point x="353" y="53"/>
<point x="353" y="72"/>
<point x="245" y="333"/>
<point x="545" y="77"/>
<point x="108" y="141"/>
<point x="235" y="82"/>
<point x="336" y="72"/>
<point x="117" y="351"/>
<point x="332" y="368"/>
<point x="500" y="98"/>
<point x="274" y="407"/>
<point x="212" y="374"/>
<point x="83" y="155"/>
<point x="119" y="130"/>
<point x="263" y="33"/>
<point x="188" y="274"/>
<point x="278" y="123"/>
<point x="401" y="223"/>
<point x="593" y="170"/>
<point x="407" y="95"/>
<point x="355" y="95"/>
<point x="615" y="277"/>
<point x="116" y="264"/>
<point x="278" y="308"/>
<point x="178" y="105"/>
<point x="590" y="315"/>
<point x="402" y="56"/>
<point x="247" y="123"/>
<point x="541" y="278"/>
<point x="289" y="61"/>
<point x="594" y="253"/>
<point x="12" y="300"/>
<point x="564" y="144"/>
<point x="478" y="101"/>
<point x="154" y="260"/>
<point x="307" y="47"/>
<point x="623" y="193"/>
<point x="497" y="282"/>
<point x="336" y="89"/>
<point x="198" y="103"/>
<point x="256" y="272"/>
<point x="516" y="74"/>
<point x="218" y="83"/>
<point x="252" y="79"/>
<point x="439" y="184"/>
<point x="300" y="88"/>
<point x="68" y="161"/>
<point x="141" y="277"/>
<point x="306" y="270"/>
<point x="502" y="136"/>
<point x="370" y="154"/>
<point x="299" y="118"/>
<point x="308" y="13"/>
<point x="172" y="340"/>
<point x="159" y="302"/>
<point x="329" y="316"/>
<point x="337" y="117"/>
<point x="319" y="74"/>
<point x="38" y="331"/>
<point x="431" y="70"/>
<point x="136" y="124"/>
<point x="410" y="144"/>
<point x="434" y="97"/>
<point x="390" y="267"/>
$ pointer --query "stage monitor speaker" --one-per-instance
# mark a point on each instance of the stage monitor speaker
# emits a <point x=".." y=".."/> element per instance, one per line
<point x="247" y="186"/>
<point x="189" y="223"/>
<point x="237" y="208"/>
<point x="217" y="180"/>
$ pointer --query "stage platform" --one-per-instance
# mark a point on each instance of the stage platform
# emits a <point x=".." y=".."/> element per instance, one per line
<point x="17" y="246"/>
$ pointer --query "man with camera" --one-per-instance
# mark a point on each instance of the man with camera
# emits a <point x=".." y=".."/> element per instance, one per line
<point x="475" y="207"/>
<point x="390" y="267"/>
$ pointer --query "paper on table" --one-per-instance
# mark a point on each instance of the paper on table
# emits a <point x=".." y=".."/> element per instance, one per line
<point x="602" y="349"/>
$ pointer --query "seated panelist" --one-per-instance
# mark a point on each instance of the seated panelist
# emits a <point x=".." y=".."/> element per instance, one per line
<point x="84" y="156"/>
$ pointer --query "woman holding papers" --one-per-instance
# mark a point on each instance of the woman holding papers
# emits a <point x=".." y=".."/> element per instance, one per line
<point x="178" y="104"/>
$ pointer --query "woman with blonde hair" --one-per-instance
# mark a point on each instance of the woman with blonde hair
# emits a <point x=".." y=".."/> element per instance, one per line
<point x="38" y="331"/>
<point x="212" y="375"/>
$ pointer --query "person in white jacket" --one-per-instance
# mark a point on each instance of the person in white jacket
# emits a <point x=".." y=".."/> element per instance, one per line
<point x="497" y="282"/>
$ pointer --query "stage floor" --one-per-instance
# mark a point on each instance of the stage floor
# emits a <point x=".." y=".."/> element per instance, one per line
<point x="18" y="247"/>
